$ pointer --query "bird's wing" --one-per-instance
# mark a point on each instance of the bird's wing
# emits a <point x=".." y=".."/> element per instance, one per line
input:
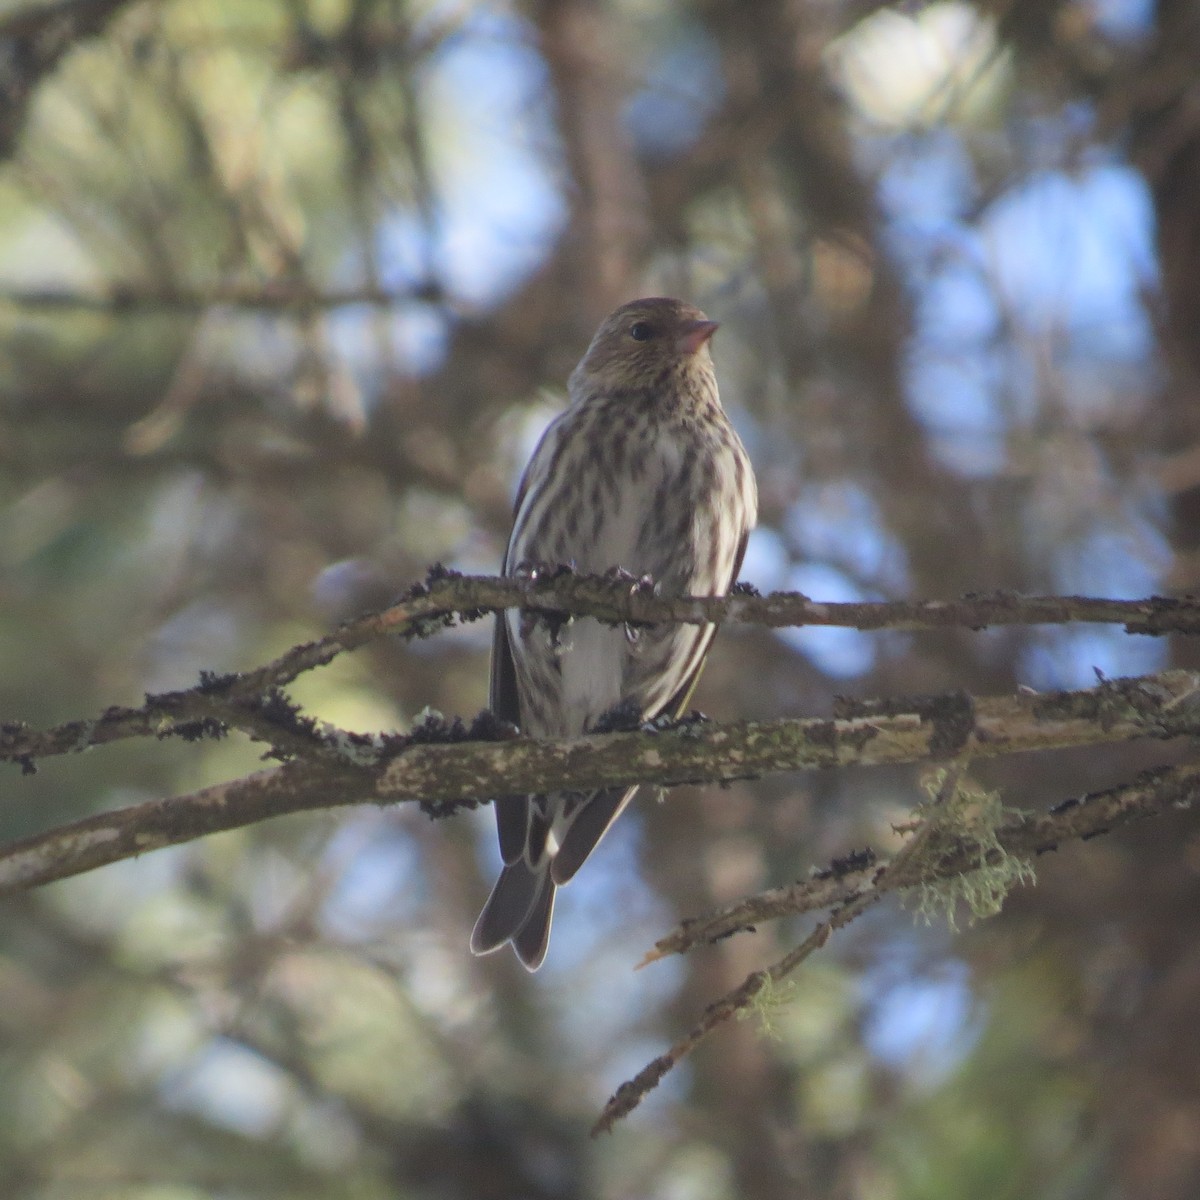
<point x="677" y="705"/>
<point x="739" y="556"/>
<point x="512" y="815"/>
<point x="502" y="690"/>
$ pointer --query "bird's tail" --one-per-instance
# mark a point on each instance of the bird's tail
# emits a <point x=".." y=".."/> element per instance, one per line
<point x="544" y="840"/>
<point x="519" y="910"/>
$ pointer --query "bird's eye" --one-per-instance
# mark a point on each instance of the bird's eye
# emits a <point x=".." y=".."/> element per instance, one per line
<point x="640" y="331"/>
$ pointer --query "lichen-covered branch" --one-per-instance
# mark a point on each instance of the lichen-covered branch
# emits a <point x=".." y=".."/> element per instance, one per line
<point x="1022" y="834"/>
<point x="246" y="701"/>
<point x="850" y="886"/>
<point x="630" y="1094"/>
<point x="445" y="766"/>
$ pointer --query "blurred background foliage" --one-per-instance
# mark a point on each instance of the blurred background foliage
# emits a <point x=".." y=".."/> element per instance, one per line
<point x="288" y="289"/>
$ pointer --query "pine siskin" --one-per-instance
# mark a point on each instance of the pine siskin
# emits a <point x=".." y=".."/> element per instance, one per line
<point x="642" y="472"/>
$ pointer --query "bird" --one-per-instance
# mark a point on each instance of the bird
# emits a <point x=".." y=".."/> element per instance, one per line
<point x="642" y="473"/>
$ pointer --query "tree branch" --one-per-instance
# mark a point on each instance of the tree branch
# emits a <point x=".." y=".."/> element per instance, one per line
<point x="120" y="299"/>
<point x="446" y="765"/>
<point x="1022" y="835"/>
<point x="445" y="599"/>
<point x="441" y="767"/>
<point x="851" y="886"/>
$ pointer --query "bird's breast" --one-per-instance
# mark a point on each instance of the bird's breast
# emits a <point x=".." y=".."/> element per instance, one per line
<point x="671" y="504"/>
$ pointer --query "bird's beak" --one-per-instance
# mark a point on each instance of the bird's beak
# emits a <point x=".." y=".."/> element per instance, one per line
<point x="694" y="334"/>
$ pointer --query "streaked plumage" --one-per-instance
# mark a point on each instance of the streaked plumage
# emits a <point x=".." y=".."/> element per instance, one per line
<point x="643" y="472"/>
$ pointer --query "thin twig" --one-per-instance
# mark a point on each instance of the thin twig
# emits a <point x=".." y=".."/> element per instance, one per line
<point x="631" y="1093"/>
<point x="923" y="859"/>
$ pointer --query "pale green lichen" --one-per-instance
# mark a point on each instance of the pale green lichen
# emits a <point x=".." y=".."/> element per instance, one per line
<point x="770" y="999"/>
<point x="969" y="816"/>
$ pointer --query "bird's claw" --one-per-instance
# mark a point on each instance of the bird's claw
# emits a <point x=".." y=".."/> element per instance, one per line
<point x="534" y="571"/>
<point x="637" y="583"/>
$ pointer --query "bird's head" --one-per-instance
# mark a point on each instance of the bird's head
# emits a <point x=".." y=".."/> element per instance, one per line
<point x="647" y="344"/>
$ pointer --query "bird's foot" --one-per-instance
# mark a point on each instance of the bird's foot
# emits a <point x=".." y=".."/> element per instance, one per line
<point x="624" y="717"/>
<point x="542" y="572"/>
<point x="664" y="722"/>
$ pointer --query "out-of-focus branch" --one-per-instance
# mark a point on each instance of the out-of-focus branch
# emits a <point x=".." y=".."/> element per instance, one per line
<point x="120" y="299"/>
<point x="31" y="43"/>
<point x="608" y="237"/>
